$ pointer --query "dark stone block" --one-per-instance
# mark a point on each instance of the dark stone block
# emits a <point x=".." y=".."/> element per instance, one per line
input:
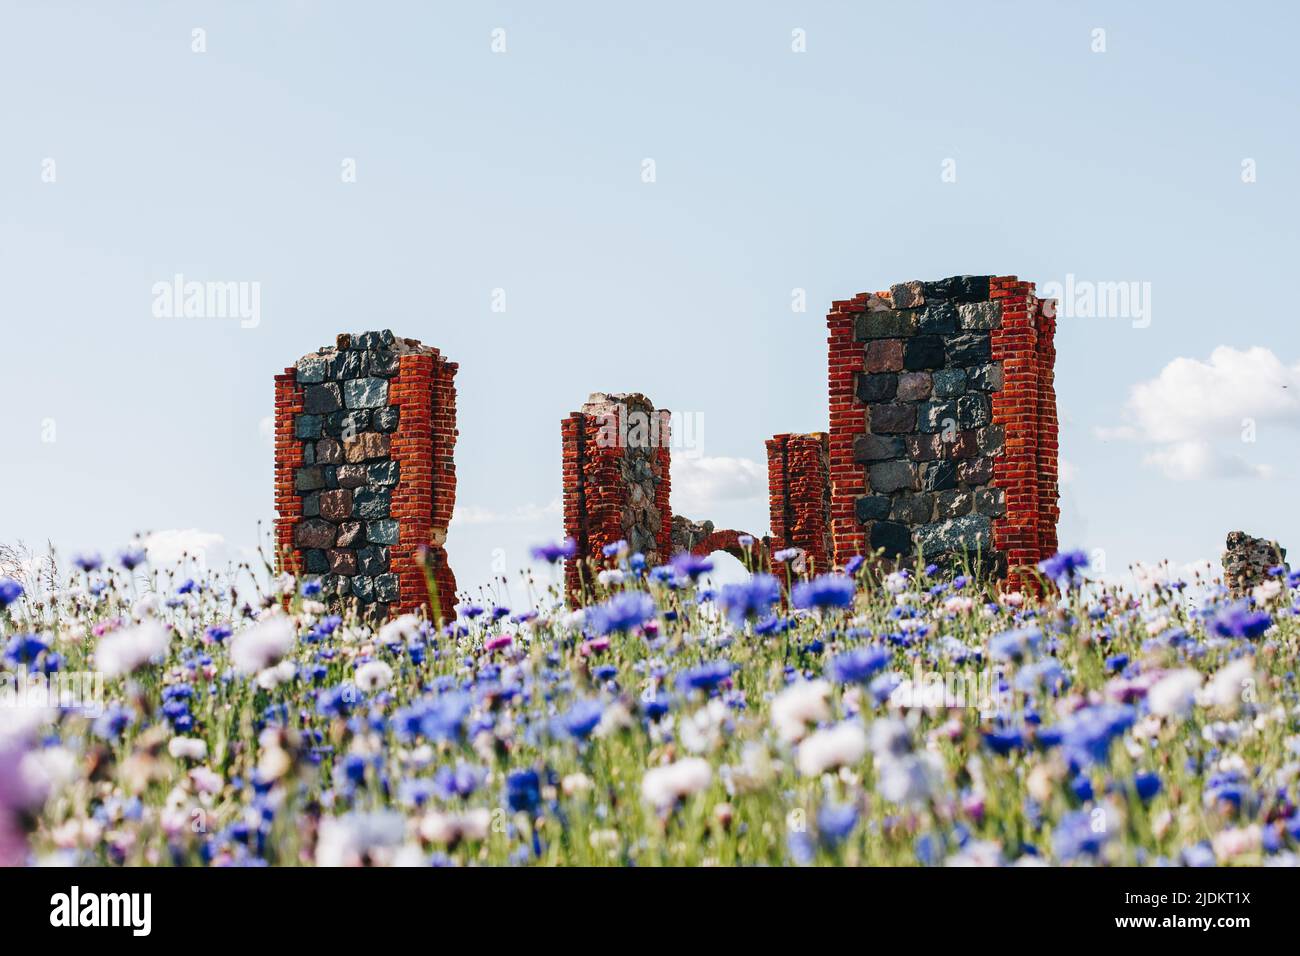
<point x="336" y="505"/>
<point x="938" y="475"/>
<point x="892" y="418"/>
<point x="975" y="471"/>
<point x="912" y="509"/>
<point x="311" y="505"/>
<point x="877" y="388"/>
<point x="949" y="382"/>
<point x="954" y="504"/>
<point x="914" y="386"/>
<point x="890" y="476"/>
<point x="386" y="419"/>
<point x="980" y="315"/>
<point x="315" y="561"/>
<point x="307" y="427"/>
<point x="372" y="560"/>
<point x="382" y="473"/>
<point x="346" y="365"/>
<point x="991" y="502"/>
<point x="351" y="534"/>
<point x="886" y="324"/>
<point x="974" y="410"/>
<point x="871" y="447"/>
<point x="311" y="478"/>
<point x="366" y="341"/>
<point x="342" y="561"/>
<point x="985" y="378"/>
<point x="363" y="588"/>
<point x="936" y="416"/>
<point x="311" y="368"/>
<point x="386" y="588"/>
<point x="960" y="445"/>
<point x="872" y="508"/>
<point x="894" y="538"/>
<point x="907" y="295"/>
<point x="314" y="533"/>
<point x="383" y="364"/>
<point x="322" y="399"/>
<point x="937" y="318"/>
<point x="992" y="440"/>
<point x="969" y="348"/>
<point x="924" y="447"/>
<point x="958" y="289"/>
<point x="371" y="504"/>
<point x="968" y="533"/>
<point x="329" y="451"/>
<point x="309" y="454"/>
<point x="381" y="532"/>
<point x="331" y="475"/>
<point x="923" y="352"/>
<point x="339" y="424"/>
<point x="351" y="476"/>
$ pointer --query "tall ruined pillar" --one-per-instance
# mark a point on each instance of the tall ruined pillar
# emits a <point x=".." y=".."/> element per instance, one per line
<point x="616" y="479"/>
<point x="365" y="434"/>
<point x="943" y="422"/>
<point x="799" y="496"/>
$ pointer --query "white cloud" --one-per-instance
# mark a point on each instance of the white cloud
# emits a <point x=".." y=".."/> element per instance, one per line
<point x="701" y="483"/>
<point x="168" y="547"/>
<point x="522" y="514"/>
<point x="266" y="430"/>
<point x="1193" y="406"/>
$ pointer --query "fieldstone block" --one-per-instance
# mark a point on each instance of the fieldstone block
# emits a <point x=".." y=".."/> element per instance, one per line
<point x="924" y="447"/>
<point x="884" y="355"/>
<point x="315" y="562"/>
<point x="363" y="588"/>
<point x="386" y="418"/>
<point x="871" y="447"/>
<point x="986" y="378"/>
<point x="954" y="503"/>
<point x="331" y="475"/>
<point x="912" y="509"/>
<point x="872" y="507"/>
<point x="347" y="364"/>
<point x="309" y="454"/>
<point x="974" y="410"/>
<point x="372" y="560"/>
<point x="382" y="473"/>
<point x="342" y="561"/>
<point x="351" y="534"/>
<point x="894" y="538"/>
<point x="314" y="533"/>
<point x="383" y="364"/>
<point x="386" y="588"/>
<point x="342" y="424"/>
<point x="938" y="318"/>
<point x="311" y="369"/>
<point x="907" y="295"/>
<point x="886" y="324"/>
<point x="991" y="502"/>
<point x="365" y="393"/>
<point x="949" y="382"/>
<point x="877" y="388"/>
<point x="310" y="478"/>
<point x="969" y="533"/>
<point x="892" y="418"/>
<point x="321" y="399"/>
<point x="923" y="352"/>
<point x="381" y="532"/>
<point x="329" y="451"/>
<point x="366" y="447"/>
<point x="352" y="476"/>
<point x="936" y="416"/>
<point x="891" y="476"/>
<point x="992" y="440"/>
<point x="975" y="471"/>
<point x="938" y="475"/>
<point x="383" y="339"/>
<point x="980" y="315"/>
<point x="336" y="505"/>
<point x="371" y="504"/>
<point x="914" y="386"/>
<point x="959" y="445"/>
<point x="969" y="348"/>
<point x="306" y="427"/>
<point x="958" y="289"/>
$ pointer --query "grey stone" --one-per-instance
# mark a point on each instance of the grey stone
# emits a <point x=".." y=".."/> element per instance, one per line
<point x="992" y="440"/>
<point x="365" y="393"/>
<point x="887" y="324"/>
<point x="309" y="454"/>
<point x="371" y="504"/>
<point x="321" y="399"/>
<point x="871" y="447"/>
<point x="877" y="388"/>
<point x="351" y="533"/>
<point x="386" y="588"/>
<point x="347" y="364"/>
<point x="891" y="418"/>
<point x="372" y="560"/>
<point x="935" y="416"/>
<point x="961" y="445"/>
<point x="381" y="532"/>
<point x="949" y="382"/>
<point x="341" y="424"/>
<point x="986" y="378"/>
<point x="890" y="476"/>
<point x="336" y="504"/>
<point x="980" y="315"/>
<point x="991" y="502"/>
<point x="315" y="561"/>
<point x="914" y="386"/>
<point x="384" y="364"/>
<point x="331" y="475"/>
<point x="938" y="318"/>
<point x="954" y="503"/>
<point x="894" y="538"/>
<point x="967" y="533"/>
<point x="969" y="348"/>
<point x="872" y="507"/>
<point x="363" y="588"/>
<point x="351" y="476"/>
<point x="329" y="451"/>
<point x="311" y="505"/>
<point x="912" y="509"/>
<point x="924" y="447"/>
<point x="382" y="472"/>
<point x="311" y="369"/>
<point x="383" y="339"/>
<point x="386" y="418"/>
<point x="958" y="289"/>
<point x="307" y="427"/>
<point x="314" y="533"/>
<point x="311" y="478"/>
<point x="908" y="295"/>
<point x="938" y="475"/>
<point x="975" y="471"/>
<point x="974" y="410"/>
<point x="923" y="352"/>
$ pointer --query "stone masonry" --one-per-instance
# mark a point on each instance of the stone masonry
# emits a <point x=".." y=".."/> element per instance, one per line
<point x="1247" y="560"/>
<point x="943" y="434"/>
<point x="616" y="480"/>
<point x="799" y="495"/>
<point x="365" y="432"/>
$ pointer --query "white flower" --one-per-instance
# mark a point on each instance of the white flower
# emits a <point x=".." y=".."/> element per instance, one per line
<point x="610" y="577"/>
<point x="664" y="786"/>
<point x="374" y="675"/>
<point x="890" y="739"/>
<point x="205" y="780"/>
<point x="273" y="677"/>
<point x="188" y="748"/>
<point x="1237" y="842"/>
<point x="400" y="629"/>
<point x="1174" y="693"/>
<point x="959" y="604"/>
<point x="895" y="582"/>
<point x="359" y="838"/>
<point x="130" y="648"/>
<point x="257" y="647"/>
<point x="840" y="746"/>
<point x="450" y="828"/>
<point x="701" y="731"/>
<point x="1265" y="592"/>
<point x="1227" y="687"/>
<point x="799" y="705"/>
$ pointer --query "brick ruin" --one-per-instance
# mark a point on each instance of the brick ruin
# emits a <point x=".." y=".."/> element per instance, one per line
<point x="616" y="480"/>
<point x="799" y="497"/>
<point x="1247" y="560"/>
<point x="365" y="479"/>
<point x="703" y="538"/>
<point x="943" y="435"/>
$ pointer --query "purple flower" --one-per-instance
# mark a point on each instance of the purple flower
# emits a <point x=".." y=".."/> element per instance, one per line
<point x="89" y="561"/>
<point x="582" y="719"/>
<point x="550" y="553"/>
<point x="752" y="599"/>
<point x="857" y="666"/>
<point x="691" y="565"/>
<point x="622" y="612"/>
<point x="132" y="558"/>
<point x="10" y="591"/>
<point x="1065" y="567"/>
<point x="826" y="590"/>
<point x="1238" y="620"/>
<point x="855" y="565"/>
<point x="705" y="676"/>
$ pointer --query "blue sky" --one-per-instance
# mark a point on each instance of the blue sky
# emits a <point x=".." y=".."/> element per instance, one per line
<point x="522" y="171"/>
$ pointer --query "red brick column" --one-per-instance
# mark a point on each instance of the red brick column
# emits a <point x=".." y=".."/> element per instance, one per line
<point x="288" y="458"/>
<point x="1049" y="508"/>
<point x="799" y="495"/>
<point x="847" y="421"/>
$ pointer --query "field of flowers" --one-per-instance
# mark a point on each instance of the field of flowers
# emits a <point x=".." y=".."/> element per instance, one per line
<point x="154" y="718"/>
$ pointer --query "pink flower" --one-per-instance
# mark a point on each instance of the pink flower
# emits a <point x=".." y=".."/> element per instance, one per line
<point x="498" y="642"/>
<point x="594" y="645"/>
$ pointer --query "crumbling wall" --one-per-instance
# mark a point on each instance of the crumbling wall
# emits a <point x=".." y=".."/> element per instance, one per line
<point x="365" y="435"/>
<point x="1247" y="560"/>
<point x="703" y="538"/>
<point x="799" y="496"/>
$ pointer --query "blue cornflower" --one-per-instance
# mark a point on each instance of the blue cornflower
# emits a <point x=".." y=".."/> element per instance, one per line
<point x="551" y="553"/>
<point x="1015" y="645"/>
<point x="1116" y="663"/>
<point x="582" y="718"/>
<point x="10" y="591"/>
<point x="1065" y="567"/>
<point x="704" y="676"/>
<point x="311" y="588"/>
<point x="1076" y="837"/>
<point x="622" y="612"/>
<point x="752" y="599"/>
<point x="855" y="565"/>
<point x="113" y="722"/>
<point x="691" y="565"/>
<point x="88" y="561"/>
<point x="1238" y="620"/>
<point x="132" y="558"/>
<point x="835" y="821"/>
<point x="460" y="781"/>
<point x="23" y="649"/>
<point x="614" y="550"/>
<point x="523" y="791"/>
<point x="826" y="590"/>
<point x="857" y="666"/>
<point x="1147" y="785"/>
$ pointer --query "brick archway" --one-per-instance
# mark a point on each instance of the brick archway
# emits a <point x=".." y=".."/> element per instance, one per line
<point x="727" y="540"/>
